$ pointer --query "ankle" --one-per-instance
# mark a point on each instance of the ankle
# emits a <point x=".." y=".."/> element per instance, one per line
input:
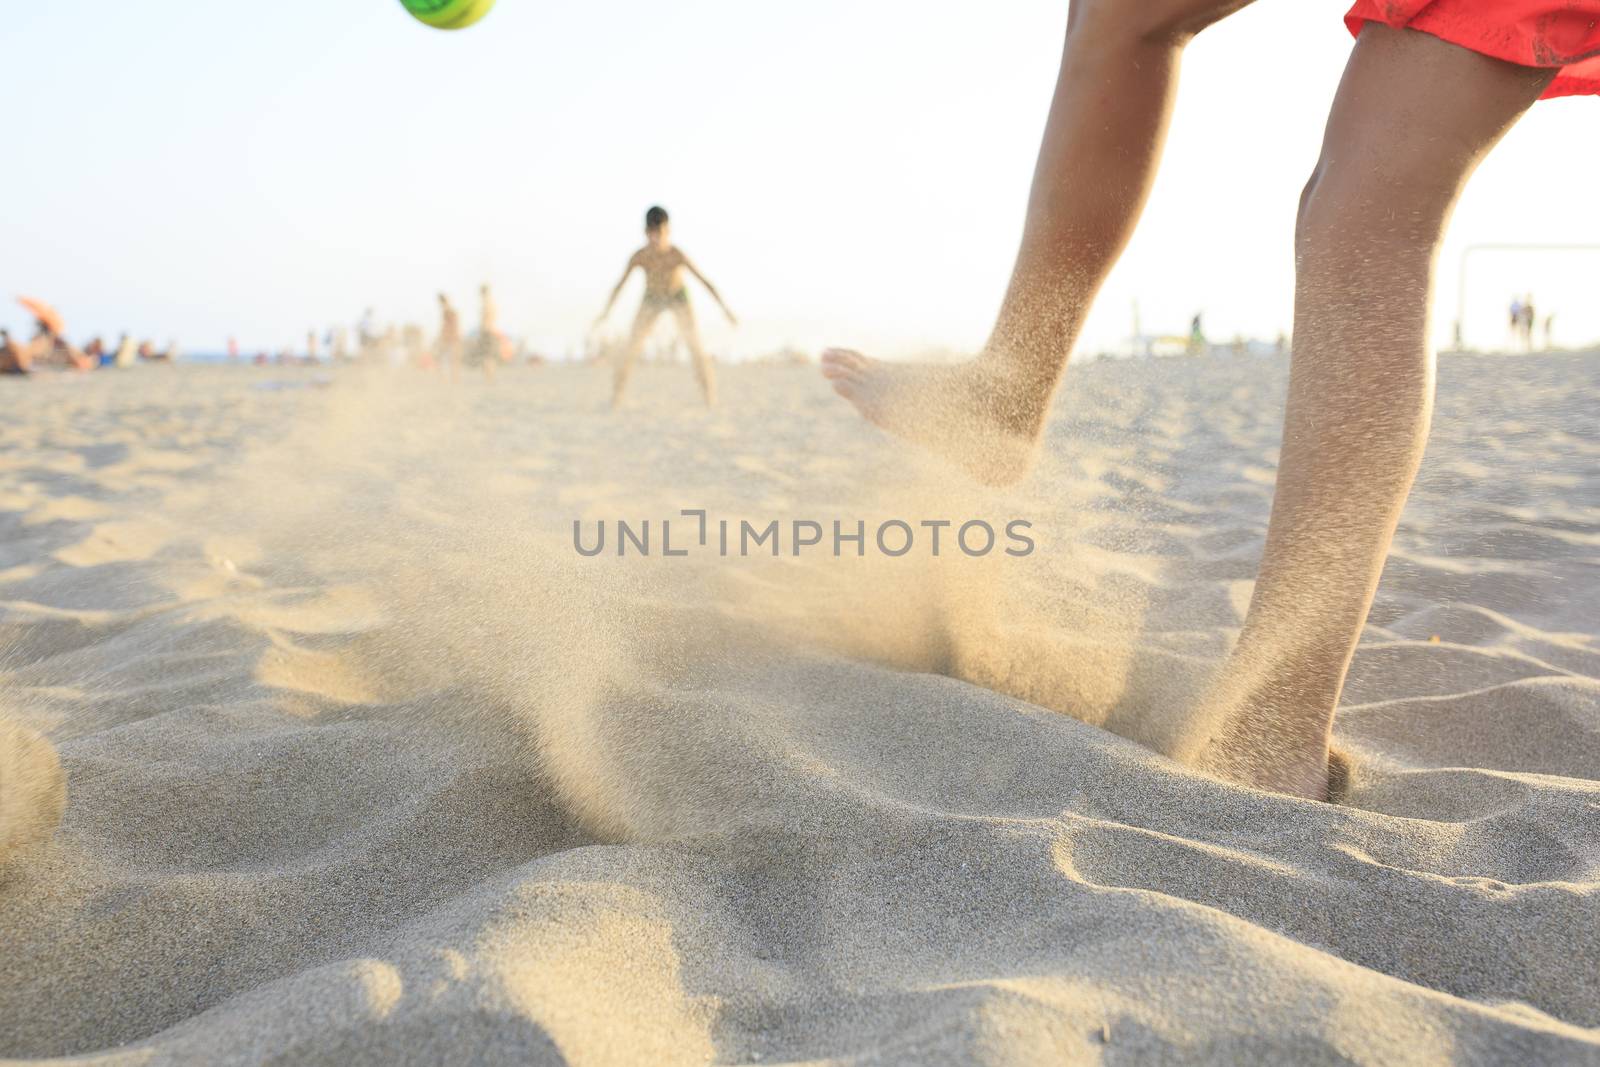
<point x="1017" y="390"/>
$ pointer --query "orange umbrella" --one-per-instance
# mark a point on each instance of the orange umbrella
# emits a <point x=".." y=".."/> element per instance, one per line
<point x="44" y="313"/>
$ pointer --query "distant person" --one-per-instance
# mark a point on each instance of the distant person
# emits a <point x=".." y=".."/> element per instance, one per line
<point x="1526" y="324"/>
<point x="484" y="351"/>
<point x="1197" y="336"/>
<point x="448" y="348"/>
<point x="149" y="354"/>
<point x="1430" y="87"/>
<point x="49" y="347"/>
<point x="664" y="265"/>
<point x="1516" y="320"/>
<point x="14" y="358"/>
<point x="489" y="311"/>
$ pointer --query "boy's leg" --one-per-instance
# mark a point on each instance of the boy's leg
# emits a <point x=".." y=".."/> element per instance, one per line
<point x="489" y="353"/>
<point x="703" y="371"/>
<point x="642" y="322"/>
<point x="1412" y="118"/>
<point x="1101" y="145"/>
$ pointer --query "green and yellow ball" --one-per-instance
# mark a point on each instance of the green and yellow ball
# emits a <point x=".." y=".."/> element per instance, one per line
<point x="448" y="14"/>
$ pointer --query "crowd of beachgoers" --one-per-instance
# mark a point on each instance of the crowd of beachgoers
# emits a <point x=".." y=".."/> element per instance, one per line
<point x="49" y="347"/>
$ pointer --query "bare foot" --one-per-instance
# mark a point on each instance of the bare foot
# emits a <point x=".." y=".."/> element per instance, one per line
<point x="1268" y="733"/>
<point x="1310" y="770"/>
<point x="973" y="414"/>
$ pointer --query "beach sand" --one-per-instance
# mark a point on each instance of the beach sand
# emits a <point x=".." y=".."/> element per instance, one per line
<point x="364" y="763"/>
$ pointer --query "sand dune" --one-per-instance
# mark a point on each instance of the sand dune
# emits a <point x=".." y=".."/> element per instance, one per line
<point x="365" y="764"/>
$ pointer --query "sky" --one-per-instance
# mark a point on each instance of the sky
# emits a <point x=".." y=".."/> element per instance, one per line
<point x="846" y="172"/>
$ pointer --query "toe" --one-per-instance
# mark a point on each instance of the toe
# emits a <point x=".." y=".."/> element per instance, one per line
<point x="843" y="358"/>
<point x="838" y="364"/>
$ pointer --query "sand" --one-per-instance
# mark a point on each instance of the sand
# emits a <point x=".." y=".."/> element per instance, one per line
<point x="365" y="764"/>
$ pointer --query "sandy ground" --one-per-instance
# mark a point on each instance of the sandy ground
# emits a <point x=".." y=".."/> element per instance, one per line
<point x="366" y="764"/>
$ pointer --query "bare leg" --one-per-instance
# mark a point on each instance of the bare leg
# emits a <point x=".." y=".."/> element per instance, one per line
<point x="490" y="355"/>
<point x="703" y="371"/>
<point x="642" y="323"/>
<point x="1102" y="142"/>
<point x="1412" y="118"/>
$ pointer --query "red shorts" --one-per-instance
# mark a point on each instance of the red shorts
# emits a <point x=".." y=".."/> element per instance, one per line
<point x="1534" y="33"/>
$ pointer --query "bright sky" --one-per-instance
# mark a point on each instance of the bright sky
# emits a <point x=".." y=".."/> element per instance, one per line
<point x="845" y="171"/>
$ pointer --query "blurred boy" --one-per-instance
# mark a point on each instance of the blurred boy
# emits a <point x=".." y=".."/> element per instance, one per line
<point x="664" y="290"/>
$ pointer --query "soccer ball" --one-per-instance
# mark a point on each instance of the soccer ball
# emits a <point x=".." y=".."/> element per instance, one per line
<point x="448" y="14"/>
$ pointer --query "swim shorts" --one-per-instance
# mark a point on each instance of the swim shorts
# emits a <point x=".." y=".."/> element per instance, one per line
<point x="666" y="301"/>
<point x="1534" y="33"/>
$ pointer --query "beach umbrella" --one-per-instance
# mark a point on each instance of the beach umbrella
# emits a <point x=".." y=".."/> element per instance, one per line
<point x="44" y="313"/>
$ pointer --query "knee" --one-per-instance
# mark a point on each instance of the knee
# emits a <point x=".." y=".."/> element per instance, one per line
<point x="1358" y="206"/>
<point x="1302" y="211"/>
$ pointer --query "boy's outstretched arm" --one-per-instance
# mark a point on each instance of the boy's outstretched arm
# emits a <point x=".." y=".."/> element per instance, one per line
<point x="687" y="262"/>
<point x="633" y="261"/>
